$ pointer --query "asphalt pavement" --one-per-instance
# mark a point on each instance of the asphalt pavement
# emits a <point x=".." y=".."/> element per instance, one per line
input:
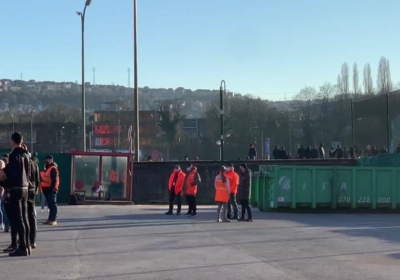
<point x="140" y="242"/>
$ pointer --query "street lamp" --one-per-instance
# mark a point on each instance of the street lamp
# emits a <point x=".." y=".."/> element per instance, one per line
<point x="136" y="90"/>
<point x="222" y="91"/>
<point x="82" y="15"/>
<point x="31" y="129"/>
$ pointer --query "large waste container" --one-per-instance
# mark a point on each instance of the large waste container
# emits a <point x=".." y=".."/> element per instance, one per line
<point x="255" y="181"/>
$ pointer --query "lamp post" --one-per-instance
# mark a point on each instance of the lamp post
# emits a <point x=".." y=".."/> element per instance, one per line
<point x="31" y="129"/>
<point x="222" y="91"/>
<point x="82" y="16"/>
<point x="135" y="78"/>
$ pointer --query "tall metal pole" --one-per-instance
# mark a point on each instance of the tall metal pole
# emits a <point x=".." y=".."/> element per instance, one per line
<point x="222" y="90"/>
<point x="83" y="129"/>
<point x="135" y="78"/>
<point x="387" y="123"/>
<point x="31" y="130"/>
<point x="352" y="123"/>
<point x="119" y="132"/>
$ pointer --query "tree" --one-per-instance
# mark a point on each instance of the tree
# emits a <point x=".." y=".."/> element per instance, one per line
<point x="58" y="113"/>
<point x="345" y="78"/>
<point x="384" y="82"/>
<point x="170" y="121"/>
<point x="304" y="102"/>
<point x="355" y="79"/>
<point x="368" y="83"/>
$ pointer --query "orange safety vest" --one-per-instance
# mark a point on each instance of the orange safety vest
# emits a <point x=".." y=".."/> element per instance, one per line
<point x="45" y="180"/>
<point x="233" y="178"/>
<point x="221" y="191"/>
<point x="179" y="181"/>
<point x="113" y="176"/>
<point x="191" y="190"/>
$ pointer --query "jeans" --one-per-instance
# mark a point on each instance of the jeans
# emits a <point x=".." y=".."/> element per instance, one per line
<point x="51" y="199"/>
<point x="232" y="204"/>
<point x="246" y="207"/>
<point x="43" y="201"/>
<point x="20" y="222"/>
<point x="3" y="216"/>
<point x="224" y="207"/>
<point x="191" y="201"/>
<point x="32" y="217"/>
<point x="172" y="197"/>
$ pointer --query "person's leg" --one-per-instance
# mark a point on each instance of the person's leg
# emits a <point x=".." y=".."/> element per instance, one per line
<point x="234" y="206"/>
<point x="32" y="221"/>
<point x="194" y="205"/>
<point x="248" y="209"/>
<point x="171" y="202"/>
<point x="1" y="215"/>
<point x="24" y="205"/>
<point x="219" y="212"/>
<point x="51" y="199"/>
<point x="224" y="211"/>
<point x="6" y="222"/>
<point x="18" y="221"/>
<point x="229" y="210"/>
<point x="242" y="203"/>
<point x="179" y="203"/>
<point x="189" y="203"/>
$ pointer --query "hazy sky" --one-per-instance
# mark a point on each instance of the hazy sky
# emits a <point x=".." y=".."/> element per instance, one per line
<point x="265" y="47"/>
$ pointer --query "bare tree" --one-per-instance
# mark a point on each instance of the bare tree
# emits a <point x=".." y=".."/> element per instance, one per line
<point x="355" y="78"/>
<point x="345" y="78"/>
<point x="368" y="83"/>
<point x="339" y="84"/>
<point x="384" y="82"/>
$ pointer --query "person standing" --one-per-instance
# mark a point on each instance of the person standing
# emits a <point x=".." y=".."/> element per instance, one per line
<point x="16" y="177"/>
<point x="192" y="180"/>
<point x="175" y="186"/>
<point x="245" y="192"/>
<point x="4" y="218"/>
<point x="222" y="191"/>
<point x="233" y="178"/>
<point x="33" y="190"/>
<point x="49" y="183"/>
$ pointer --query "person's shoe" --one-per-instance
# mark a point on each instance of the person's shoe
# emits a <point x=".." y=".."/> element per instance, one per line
<point x="33" y="245"/>
<point x="41" y="210"/>
<point x="48" y="210"/>
<point x="29" y="250"/>
<point x="193" y="215"/>
<point x="19" y="253"/>
<point x="178" y="213"/>
<point x="241" y="219"/>
<point x="249" y="220"/>
<point x="10" y="249"/>
<point x="188" y="214"/>
<point x="46" y="222"/>
<point x="226" y="221"/>
<point x="52" y="223"/>
<point x="219" y="220"/>
<point x="6" y="229"/>
<point x="229" y="217"/>
<point x="168" y="213"/>
<point x="235" y="217"/>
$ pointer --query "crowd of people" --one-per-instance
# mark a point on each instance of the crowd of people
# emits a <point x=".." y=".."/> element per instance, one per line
<point x="20" y="182"/>
<point x="228" y="185"/>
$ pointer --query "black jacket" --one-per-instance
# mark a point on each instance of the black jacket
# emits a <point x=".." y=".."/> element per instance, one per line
<point x="245" y="185"/>
<point x="34" y="177"/>
<point x="18" y="170"/>
<point x="53" y="177"/>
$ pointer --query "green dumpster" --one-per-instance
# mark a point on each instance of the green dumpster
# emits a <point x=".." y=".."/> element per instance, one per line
<point x="255" y="180"/>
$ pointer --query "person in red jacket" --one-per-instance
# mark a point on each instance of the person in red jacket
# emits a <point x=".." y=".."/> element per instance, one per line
<point x="175" y="186"/>
<point x="233" y="178"/>
<point x="190" y="188"/>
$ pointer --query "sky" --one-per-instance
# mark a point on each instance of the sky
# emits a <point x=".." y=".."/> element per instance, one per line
<point x="266" y="48"/>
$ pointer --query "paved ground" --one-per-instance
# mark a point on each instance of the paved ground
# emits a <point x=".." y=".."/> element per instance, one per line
<point x="139" y="242"/>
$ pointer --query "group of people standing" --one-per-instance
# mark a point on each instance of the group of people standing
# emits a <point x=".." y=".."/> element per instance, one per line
<point x="228" y="184"/>
<point x="20" y="181"/>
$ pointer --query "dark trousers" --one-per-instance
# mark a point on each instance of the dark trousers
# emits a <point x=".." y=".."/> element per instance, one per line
<point x="9" y="212"/>
<point x="232" y="204"/>
<point x="20" y="223"/>
<point x="191" y="201"/>
<point x="51" y="199"/>
<point x="246" y="207"/>
<point x="32" y="217"/>
<point x="172" y="197"/>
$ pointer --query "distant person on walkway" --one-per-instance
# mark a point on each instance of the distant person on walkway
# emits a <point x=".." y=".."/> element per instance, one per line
<point x="175" y="186"/>
<point x="252" y="154"/>
<point x="16" y="179"/>
<point x="314" y="152"/>
<point x="309" y="152"/>
<point x="301" y="152"/>
<point x="49" y="182"/>
<point x="321" y="151"/>
<point x="346" y="152"/>
<point x="222" y="190"/>
<point x="339" y="152"/>
<point x="245" y="192"/>
<point x="398" y="149"/>
<point x="233" y="178"/>
<point x="192" y="180"/>
<point x="276" y="153"/>
<point x="283" y="153"/>
<point x="332" y="152"/>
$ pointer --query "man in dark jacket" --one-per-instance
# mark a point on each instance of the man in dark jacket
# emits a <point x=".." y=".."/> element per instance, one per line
<point x="245" y="192"/>
<point x="50" y="189"/>
<point x="16" y="176"/>
<point x="252" y="154"/>
<point x="301" y="152"/>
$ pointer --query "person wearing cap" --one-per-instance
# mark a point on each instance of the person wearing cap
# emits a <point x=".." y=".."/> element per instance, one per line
<point x="175" y="186"/>
<point x="245" y="192"/>
<point x="233" y="178"/>
<point x="50" y="181"/>
<point x="222" y="191"/>
<point x="192" y="180"/>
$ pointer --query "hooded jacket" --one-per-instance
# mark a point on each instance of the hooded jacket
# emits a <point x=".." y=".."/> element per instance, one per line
<point x="18" y="170"/>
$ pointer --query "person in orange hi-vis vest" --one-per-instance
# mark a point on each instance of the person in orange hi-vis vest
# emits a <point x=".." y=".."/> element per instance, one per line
<point x="192" y="180"/>
<point x="233" y="178"/>
<point x="175" y="186"/>
<point x="50" y="181"/>
<point x="222" y="191"/>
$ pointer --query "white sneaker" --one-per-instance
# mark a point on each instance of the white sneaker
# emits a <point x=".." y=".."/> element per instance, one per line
<point x="48" y="210"/>
<point x="41" y="210"/>
<point x="2" y="227"/>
